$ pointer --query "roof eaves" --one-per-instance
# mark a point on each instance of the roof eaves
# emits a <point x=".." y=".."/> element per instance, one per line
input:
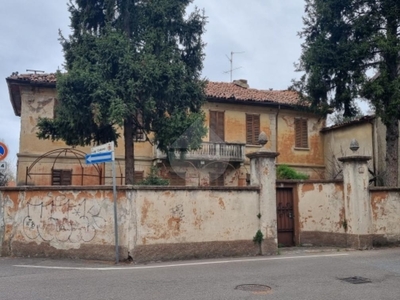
<point x="15" y="97"/>
<point x="251" y="102"/>
<point x="14" y="85"/>
<point x="362" y="120"/>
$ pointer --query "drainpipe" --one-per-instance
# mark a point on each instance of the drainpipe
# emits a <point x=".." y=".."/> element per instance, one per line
<point x="276" y="129"/>
<point x="374" y="158"/>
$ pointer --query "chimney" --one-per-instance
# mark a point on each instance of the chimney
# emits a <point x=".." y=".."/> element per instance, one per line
<point x="242" y="83"/>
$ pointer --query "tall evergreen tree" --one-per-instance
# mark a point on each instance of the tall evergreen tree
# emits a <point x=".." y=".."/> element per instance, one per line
<point x="345" y="42"/>
<point x="131" y="64"/>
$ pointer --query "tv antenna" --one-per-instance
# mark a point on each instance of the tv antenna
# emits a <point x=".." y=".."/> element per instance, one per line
<point x="231" y="61"/>
<point x="35" y="71"/>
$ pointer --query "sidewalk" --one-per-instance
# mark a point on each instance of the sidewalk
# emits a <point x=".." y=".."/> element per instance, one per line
<point x="311" y="249"/>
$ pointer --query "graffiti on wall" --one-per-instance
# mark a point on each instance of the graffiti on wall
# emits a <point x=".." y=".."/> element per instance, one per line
<point x="63" y="220"/>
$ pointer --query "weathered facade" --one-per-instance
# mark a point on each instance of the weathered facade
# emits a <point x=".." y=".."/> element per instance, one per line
<point x="235" y="115"/>
<point x="164" y="223"/>
<point x="370" y="133"/>
<point x="78" y="222"/>
<point x="153" y="222"/>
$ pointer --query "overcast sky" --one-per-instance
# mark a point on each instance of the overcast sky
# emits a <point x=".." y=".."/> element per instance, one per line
<point x="265" y="30"/>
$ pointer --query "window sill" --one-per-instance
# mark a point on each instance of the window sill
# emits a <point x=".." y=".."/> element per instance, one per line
<point x="301" y="149"/>
<point x="253" y="146"/>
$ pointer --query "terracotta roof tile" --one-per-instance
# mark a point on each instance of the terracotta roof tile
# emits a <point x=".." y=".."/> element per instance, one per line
<point x="214" y="90"/>
<point x="32" y="78"/>
<point x="231" y="91"/>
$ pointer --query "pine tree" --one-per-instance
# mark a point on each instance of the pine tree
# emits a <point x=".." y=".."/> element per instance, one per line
<point x="131" y="64"/>
<point x="345" y="41"/>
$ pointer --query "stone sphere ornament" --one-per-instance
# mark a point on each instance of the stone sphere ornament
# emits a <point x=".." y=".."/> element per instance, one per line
<point x="262" y="139"/>
<point x="354" y="146"/>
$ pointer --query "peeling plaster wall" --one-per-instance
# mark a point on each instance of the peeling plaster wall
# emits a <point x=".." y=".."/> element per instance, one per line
<point x="386" y="215"/>
<point x="39" y="102"/>
<point x="337" y="143"/>
<point x="1" y="221"/>
<point x="200" y="176"/>
<point x="310" y="160"/>
<point x="321" y="210"/>
<point x="63" y="223"/>
<point x="179" y="216"/>
<point x="79" y="222"/>
<point x="235" y="122"/>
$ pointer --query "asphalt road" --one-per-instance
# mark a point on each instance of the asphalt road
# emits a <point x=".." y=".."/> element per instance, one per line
<point x="290" y="276"/>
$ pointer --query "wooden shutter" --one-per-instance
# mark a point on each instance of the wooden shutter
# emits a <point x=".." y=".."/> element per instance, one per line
<point x="177" y="179"/>
<point x="301" y="133"/>
<point x="61" y="177"/>
<point x="55" y="107"/>
<point x="252" y="129"/>
<point x="216" y="179"/>
<point x="139" y="133"/>
<point x="217" y="126"/>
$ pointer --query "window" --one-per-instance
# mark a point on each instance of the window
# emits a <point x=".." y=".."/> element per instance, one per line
<point x="301" y="133"/>
<point x="217" y="126"/>
<point x="252" y="129"/>
<point x="61" y="177"/>
<point x="139" y="135"/>
<point x="217" y="179"/>
<point x="177" y="179"/>
<point x="55" y="107"/>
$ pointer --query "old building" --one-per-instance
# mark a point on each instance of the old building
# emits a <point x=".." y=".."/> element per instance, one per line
<point x="235" y="115"/>
<point x="370" y="133"/>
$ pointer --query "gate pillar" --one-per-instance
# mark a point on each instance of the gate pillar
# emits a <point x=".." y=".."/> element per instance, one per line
<point x="263" y="174"/>
<point x="358" y="215"/>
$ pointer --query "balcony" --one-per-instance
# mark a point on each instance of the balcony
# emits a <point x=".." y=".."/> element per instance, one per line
<point x="212" y="151"/>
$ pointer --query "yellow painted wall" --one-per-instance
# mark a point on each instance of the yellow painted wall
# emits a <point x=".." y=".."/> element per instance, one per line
<point x="39" y="102"/>
<point x="289" y="154"/>
<point x="337" y="143"/>
<point x="235" y="122"/>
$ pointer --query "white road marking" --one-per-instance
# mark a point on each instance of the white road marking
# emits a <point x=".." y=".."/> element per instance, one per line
<point x="180" y="264"/>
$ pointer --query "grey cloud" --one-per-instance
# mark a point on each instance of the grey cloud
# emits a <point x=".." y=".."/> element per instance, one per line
<point x="265" y="29"/>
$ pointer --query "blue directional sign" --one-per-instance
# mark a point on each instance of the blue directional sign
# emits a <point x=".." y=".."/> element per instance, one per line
<point x="96" y="158"/>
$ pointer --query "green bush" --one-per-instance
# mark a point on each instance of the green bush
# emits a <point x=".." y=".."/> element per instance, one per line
<point x="286" y="172"/>
<point x="154" y="179"/>
<point x="258" y="238"/>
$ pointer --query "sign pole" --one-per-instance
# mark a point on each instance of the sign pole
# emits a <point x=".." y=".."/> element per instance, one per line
<point x="99" y="154"/>
<point x="115" y="210"/>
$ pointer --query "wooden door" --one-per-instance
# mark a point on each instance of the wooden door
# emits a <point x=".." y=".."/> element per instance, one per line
<point x="285" y="216"/>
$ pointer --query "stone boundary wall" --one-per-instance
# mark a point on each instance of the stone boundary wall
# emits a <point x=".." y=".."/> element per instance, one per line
<point x="324" y="218"/>
<point x="321" y="213"/>
<point x="385" y="203"/>
<point x="154" y="223"/>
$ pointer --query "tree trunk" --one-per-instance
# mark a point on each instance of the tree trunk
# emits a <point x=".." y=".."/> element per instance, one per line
<point x="392" y="153"/>
<point x="391" y="57"/>
<point x="129" y="151"/>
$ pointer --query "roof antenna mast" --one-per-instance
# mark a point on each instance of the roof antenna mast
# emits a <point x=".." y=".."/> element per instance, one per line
<point x="231" y="61"/>
<point x="36" y="71"/>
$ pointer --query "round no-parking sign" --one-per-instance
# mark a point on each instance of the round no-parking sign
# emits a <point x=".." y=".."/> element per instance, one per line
<point x="3" y="151"/>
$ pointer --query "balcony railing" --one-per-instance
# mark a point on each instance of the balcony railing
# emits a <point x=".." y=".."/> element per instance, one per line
<point x="212" y="151"/>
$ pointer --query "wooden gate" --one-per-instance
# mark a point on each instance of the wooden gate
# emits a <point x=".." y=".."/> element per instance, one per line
<point x="285" y="216"/>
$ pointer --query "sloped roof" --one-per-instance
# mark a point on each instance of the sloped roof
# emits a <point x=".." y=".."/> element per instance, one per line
<point x="215" y="91"/>
<point x="34" y="78"/>
<point x="234" y="92"/>
<point x="361" y="120"/>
